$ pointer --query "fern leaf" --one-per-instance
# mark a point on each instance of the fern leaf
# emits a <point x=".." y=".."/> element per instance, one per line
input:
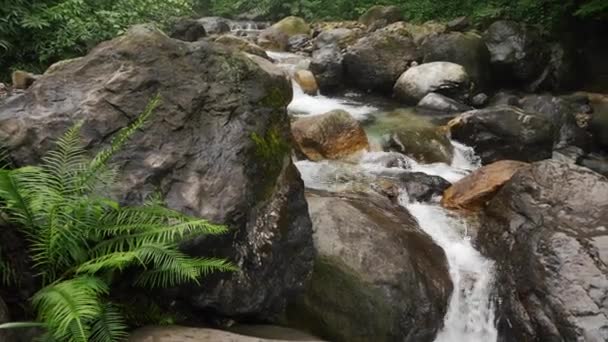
<point x="109" y="326"/>
<point x="68" y="307"/>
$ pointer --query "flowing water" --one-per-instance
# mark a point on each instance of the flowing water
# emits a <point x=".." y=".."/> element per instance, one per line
<point x="470" y="316"/>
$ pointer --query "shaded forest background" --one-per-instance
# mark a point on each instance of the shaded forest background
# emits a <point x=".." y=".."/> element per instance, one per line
<point x="35" y="34"/>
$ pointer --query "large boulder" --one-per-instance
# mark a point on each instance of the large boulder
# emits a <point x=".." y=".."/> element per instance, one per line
<point x="517" y="52"/>
<point x="466" y="49"/>
<point x="218" y="147"/>
<point x="189" y="334"/>
<point x="377" y="277"/>
<point x="445" y="78"/>
<point x="475" y="189"/>
<point x="546" y="230"/>
<point x="333" y="135"/>
<point x="292" y="26"/>
<point x="342" y="37"/>
<point x="419" y="186"/>
<point x="439" y="103"/>
<point x="505" y="132"/>
<point x="376" y="61"/>
<point x="379" y="16"/>
<point x="273" y="39"/>
<point x="326" y="65"/>
<point x="215" y="25"/>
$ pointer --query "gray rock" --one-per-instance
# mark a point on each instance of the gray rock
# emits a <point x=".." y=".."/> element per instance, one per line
<point x="380" y="16"/>
<point x="546" y="229"/>
<point x="505" y="132"/>
<point x="421" y="187"/>
<point x="326" y="65"/>
<point x="341" y="37"/>
<point x="458" y="24"/>
<point x="376" y="61"/>
<point x="595" y="162"/>
<point x="299" y="42"/>
<point x="517" y="52"/>
<point x="190" y="334"/>
<point x="440" y="103"/>
<point x="466" y="49"/>
<point x="215" y="25"/>
<point x="197" y="151"/>
<point x="188" y="30"/>
<point x="377" y="276"/>
<point x="479" y="100"/>
<point x="560" y="73"/>
<point x="445" y="78"/>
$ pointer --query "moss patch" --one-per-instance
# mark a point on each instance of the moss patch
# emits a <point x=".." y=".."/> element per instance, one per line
<point x="271" y="149"/>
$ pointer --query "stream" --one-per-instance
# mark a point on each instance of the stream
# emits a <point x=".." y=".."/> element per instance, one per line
<point x="470" y="316"/>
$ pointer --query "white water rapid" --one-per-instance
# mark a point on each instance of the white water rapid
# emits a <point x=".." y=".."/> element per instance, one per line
<point x="470" y="316"/>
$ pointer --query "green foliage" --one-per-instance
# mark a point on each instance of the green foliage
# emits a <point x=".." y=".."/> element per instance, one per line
<point x="34" y="34"/>
<point x="270" y="151"/>
<point x="81" y="242"/>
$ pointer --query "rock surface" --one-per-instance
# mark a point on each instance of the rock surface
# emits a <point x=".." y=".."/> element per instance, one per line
<point x="218" y="147"/>
<point x="419" y="33"/>
<point x="241" y="45"/>
<point x="333" y="135"/>
<point x="377" y="276"/>
<point x="215" y="25"/>
<point x="187" y="334"/>
<point x="341" y="37"/>
<point x="445" y="78"/>
<point x="23" y="79"/>
<point x="505" y="132"/>
<point x="466" y="49"/>
<point x="189" y="30"/>
<point x="307" y="81"/>
<point x="419" y="186"/>
<point x="517" y="52"/>
<point x="546" y="229"/>
<point x="440" y="103"/>
<point x="326" y="65"/>
<point x="376" y="61"/>
<point x="477" y="188"/>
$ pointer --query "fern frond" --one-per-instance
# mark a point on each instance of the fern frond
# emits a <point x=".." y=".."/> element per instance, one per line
<point x="109" y="326"/>
<point x="7" y="273"/>
<point x="69" y="307"/>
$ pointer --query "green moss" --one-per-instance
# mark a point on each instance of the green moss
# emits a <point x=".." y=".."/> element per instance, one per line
<point x="270" y="152"/>
<point x="341" y="306"/>
<point x="276" y="98"/>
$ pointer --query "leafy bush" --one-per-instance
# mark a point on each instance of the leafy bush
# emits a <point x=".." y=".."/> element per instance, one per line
<point x="34" y="34"/>
<point x="81" y="242"/>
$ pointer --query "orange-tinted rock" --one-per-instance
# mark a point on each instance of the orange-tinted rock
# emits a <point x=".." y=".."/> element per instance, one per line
<point x="307" y="81"/>
<point x="333" y="135"/>
<point x="474" y="190"/>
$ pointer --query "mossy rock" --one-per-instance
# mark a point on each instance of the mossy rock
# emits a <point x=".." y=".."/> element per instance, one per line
<point x="388" y="14"/>
<point x="415" y="136"/>
<point x="292" y="26"/>
<point x="242" y="45"/>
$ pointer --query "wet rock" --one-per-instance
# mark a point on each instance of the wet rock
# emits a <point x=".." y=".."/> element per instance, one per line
<point x="387" y="160"/>
<point x="188" y="30"/>
<point x="307" y="81"/>
<point x="23" y="79"/>
<point x="570" y="154"/>
<point x="504" y="98"/>
<point x="377" y="276"/>
<point x="215" y="25"/>
<point x="505" y="132"/>
<point x="564" y="115"/>
<point x="546" y="229"/>
<point x="440" y="103"/>
<point x="560" y="73"/>
<point x="326" y="65"/>
<point x="218" y="147"/>
<point x="439" y="77"/>
<point x="419" y="33"/>
<point x="299" y="42"/>
<point x="241" y="45"/>
<point x="333" y="135"/>
<point x="517" y="52"/>
<point x="466" y="49"/>
<point x="376" y="61"/>
<point x="419" y="186"/>
<point x="458" y="24"/>
<point x="379" y="16"/>
<point x="473" y="191"/>
<point x="188" y="334"/>
<point x="599" y="123"/>
<point x="479" y="100"/>
<point x="416" y="137"/>
<point x="342" y="37"/>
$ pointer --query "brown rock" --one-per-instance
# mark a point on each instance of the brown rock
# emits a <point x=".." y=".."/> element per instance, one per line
<point x="23" y="79"/>
<point x="187" y="334"/>
<point x="242" y="45"/>
<point x="472" y="191"/>
<point x="307" y="81"/>
<point x="333" y="135"/>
